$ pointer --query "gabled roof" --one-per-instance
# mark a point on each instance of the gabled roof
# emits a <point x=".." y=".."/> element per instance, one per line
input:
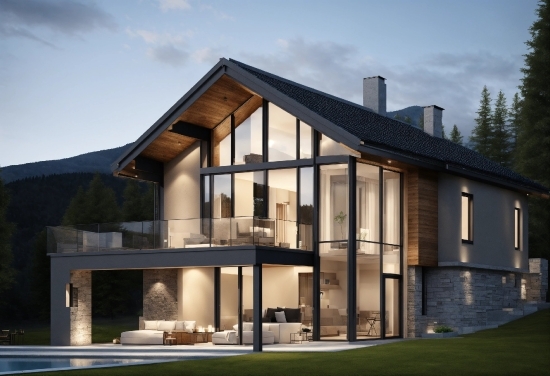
<point x="351" y="124"/>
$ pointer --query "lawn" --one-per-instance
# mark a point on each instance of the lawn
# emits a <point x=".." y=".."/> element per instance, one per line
<point x="103" y="330"/>
<point x="518" y="348"/>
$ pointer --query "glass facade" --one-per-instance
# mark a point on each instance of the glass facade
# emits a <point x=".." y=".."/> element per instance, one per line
<point x="248" y="139"/>
<point x="283" y="201"/>
<point x="282" y="135"/>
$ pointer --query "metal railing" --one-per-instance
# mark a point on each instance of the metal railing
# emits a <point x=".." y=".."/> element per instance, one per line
<point x="181" y="233"/>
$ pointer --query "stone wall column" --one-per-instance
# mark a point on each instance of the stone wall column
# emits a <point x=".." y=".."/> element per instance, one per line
<point x="81" y="316"/>
<point x="537" y="280"/>
<point x="415" y="321"/>
<point x="160" y="294"/>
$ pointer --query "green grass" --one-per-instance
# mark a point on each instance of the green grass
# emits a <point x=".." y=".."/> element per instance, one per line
<point x="518" y="348"/>
<point x="103" y="330"/>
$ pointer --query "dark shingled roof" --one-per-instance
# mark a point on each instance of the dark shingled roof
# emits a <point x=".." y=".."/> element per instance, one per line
<point x="392" y="135"/>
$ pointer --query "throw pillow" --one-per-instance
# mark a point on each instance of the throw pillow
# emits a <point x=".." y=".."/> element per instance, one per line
<point x="280" y="317"/>
<point x="190" y="325"/>
<point x="166" y="326"/>
<point x="248" y="326"/>
<point x="150" y="324"/>
<point x="293" y="314"/>
<point x="180" y="325"/>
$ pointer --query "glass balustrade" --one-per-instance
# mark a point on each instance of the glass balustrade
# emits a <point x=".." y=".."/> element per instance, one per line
<point x="178" y="234"/>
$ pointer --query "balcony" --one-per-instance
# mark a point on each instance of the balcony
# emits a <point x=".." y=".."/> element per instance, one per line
<point x="181" y="233"/>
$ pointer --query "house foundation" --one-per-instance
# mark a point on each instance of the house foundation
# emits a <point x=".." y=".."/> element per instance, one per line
<point x="469" y="299"/>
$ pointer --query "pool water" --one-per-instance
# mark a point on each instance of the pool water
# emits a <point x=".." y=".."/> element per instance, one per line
<point x="18" y="364"/>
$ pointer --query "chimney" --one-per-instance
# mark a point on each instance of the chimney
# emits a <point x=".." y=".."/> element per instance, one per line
<point x="433" y="120"/>
<point x="374" y="94"/>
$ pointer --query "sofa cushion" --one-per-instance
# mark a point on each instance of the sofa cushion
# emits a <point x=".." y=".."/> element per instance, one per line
<point x="270" y="313"/>
<point x="151" y="324"/>
<point x="180" y="325"/>
<point x="166" y="326"/>
<point x="142" y="334"/>
<point x="247" y="326"/>
<point x="280" y="317"/>
<point x="293" y="315"/>
<point x="190" y="325"/>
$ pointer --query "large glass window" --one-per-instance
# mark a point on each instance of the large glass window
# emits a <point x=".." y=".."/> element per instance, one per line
<point x="333" y="202"/>
<point x="368" y="212"/>
<point x="248" y="139"/>
<point x="222" y="210"/>
<point x="466" y="217"/>
<point x="333" y="224"/>
<point x="306" y="209"/>
<point x="282" y="205"/>
<point x="330" y="147"/>
<point x="306" y="141"/>
<point x="249" y="194"/>
<point x="282" y="134"/>
<point x="222" y="143"/>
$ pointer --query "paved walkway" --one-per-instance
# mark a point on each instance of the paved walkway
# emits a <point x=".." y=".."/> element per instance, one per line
<point x="199" y="351"/>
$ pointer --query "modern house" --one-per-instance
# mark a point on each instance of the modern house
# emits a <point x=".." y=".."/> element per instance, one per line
<point x="272" y="194"/>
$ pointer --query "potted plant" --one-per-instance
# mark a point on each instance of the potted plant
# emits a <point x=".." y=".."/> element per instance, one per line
<point x="340" y="218"/>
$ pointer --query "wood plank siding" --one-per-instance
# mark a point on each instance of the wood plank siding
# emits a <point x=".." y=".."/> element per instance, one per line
<point x="422" y="199"/>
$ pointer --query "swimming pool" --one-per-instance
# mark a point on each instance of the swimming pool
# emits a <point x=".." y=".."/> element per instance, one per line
<point x="9" y="365"/>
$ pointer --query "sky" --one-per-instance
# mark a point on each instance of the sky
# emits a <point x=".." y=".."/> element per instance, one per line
<point x="79" y="76"/>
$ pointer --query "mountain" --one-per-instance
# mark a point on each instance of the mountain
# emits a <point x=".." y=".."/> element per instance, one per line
<point x="97" y="161"/>
<point x="413" y="112"/>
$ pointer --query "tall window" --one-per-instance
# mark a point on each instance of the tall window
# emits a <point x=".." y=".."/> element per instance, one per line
<point x="467" y="218"/>
<point x="516" y="228"/>
<point x="282" y="134"/>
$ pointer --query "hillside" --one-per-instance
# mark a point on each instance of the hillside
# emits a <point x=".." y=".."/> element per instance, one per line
<point x="97" y="161"/>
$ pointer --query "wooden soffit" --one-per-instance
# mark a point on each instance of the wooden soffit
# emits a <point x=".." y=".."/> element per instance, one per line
<point x="224" y="97"/>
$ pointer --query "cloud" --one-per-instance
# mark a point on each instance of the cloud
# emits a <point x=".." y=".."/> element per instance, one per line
<point x="452" y="81"/>
<point x="166" y="5"/>
<point x="63" y="16"/>
<point x="207" y="55"/>
<point x="166" y="48"/>
<point x="168" y="55"/>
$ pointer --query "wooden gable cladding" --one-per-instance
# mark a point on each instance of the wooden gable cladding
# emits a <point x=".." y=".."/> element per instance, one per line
<point x="220" y="100"/>
<point x="422" y="197"/>
<point x="167" y="146"/>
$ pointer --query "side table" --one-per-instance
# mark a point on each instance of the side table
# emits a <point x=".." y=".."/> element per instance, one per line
<point x="170" y="341"/>
<point x="300" y="337"/>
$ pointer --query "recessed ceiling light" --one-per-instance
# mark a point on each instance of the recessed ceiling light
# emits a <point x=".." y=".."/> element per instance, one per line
<point x="389" y="161"/>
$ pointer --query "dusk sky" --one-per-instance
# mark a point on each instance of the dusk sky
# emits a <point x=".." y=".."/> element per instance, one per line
<point x="81" y="76"/>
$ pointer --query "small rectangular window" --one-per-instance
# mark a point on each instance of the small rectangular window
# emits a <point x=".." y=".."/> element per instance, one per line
<point x="467" y="218"/>
<point x="516" y="228"/>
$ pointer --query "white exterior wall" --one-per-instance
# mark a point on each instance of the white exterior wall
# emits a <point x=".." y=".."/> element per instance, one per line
<point x="182" y="185"/>
<point x="196" y="295"/>
<point x="493" y="227"/>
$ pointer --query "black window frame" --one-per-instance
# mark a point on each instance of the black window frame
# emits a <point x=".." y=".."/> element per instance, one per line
<point x="470" y="214"/>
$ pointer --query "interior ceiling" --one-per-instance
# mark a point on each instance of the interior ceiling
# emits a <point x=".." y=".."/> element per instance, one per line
<point x="223" y="98"/>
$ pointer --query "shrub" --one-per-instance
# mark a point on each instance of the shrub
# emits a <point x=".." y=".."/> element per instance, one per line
<point x="443" y="329"/>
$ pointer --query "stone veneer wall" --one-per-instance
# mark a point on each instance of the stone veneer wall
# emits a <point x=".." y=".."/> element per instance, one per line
<point x="160" y="294"/>
<point x="537" y="280"/>
<point x="81" y="316"/>
<point x="469" y="299"/>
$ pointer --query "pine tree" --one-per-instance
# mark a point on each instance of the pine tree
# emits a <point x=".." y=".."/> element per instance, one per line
<point x="534" y="132"/>
<point x="407" y="120"/>
<point x="398" y="117"/>
<point x="40" y="278"/>
<point x="95" y="205"/>
<point x="514" y="120"/>
<point x="148" y="203"/>
<point x="7" y="273"/>
<point x="481" y="134"/>
<point x="132" y="209"/>
<point x="421" y="121"/>
<point x="443" y="136"/>
<point x="456" y="137"/>
<point x="500" y="140"/>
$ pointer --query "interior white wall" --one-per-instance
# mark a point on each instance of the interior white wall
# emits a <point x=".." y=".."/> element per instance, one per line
<point x="369" y="289"/>
<point x="196" y="295"/>
<point x="280" y="287"/>
<point x="182" y="185"/>
<point x="244" y="203"/>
